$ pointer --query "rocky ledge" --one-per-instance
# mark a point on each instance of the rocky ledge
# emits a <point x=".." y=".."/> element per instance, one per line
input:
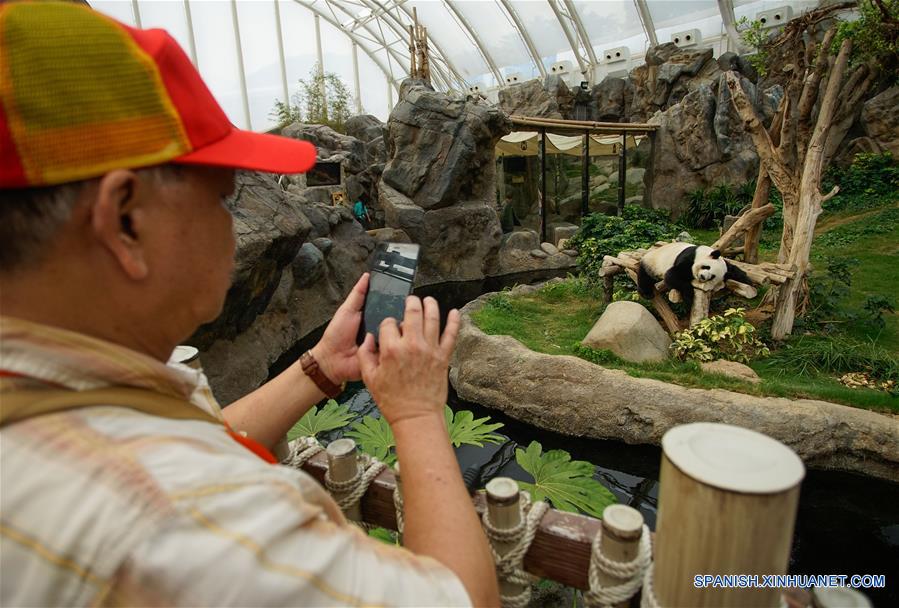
<point x="572" y="396"/>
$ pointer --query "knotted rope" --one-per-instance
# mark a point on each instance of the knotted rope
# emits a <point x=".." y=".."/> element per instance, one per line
<point x="301" y="450"/>
<point x="509" y="566"/>
<point x="398" y="507"/>
<point x="648" y="599"/>
<point x="367" y="468"/>
<point x="633" y="571"/>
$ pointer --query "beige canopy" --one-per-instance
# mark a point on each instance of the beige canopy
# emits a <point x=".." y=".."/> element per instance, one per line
<point x="527" y="143"/>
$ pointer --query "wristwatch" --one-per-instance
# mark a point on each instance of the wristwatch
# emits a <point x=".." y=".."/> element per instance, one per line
<point x="315" y="373"/>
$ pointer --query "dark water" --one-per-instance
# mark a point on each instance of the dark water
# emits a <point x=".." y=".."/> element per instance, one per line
<point x="846" y="523"/>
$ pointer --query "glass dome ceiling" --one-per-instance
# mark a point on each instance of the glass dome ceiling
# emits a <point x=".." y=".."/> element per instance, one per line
<point x="253" y="52"/>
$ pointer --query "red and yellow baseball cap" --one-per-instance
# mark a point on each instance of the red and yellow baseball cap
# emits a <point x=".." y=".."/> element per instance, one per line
<point x="82" y="94"/>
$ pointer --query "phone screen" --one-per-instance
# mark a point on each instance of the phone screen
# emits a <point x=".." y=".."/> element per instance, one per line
<point x="392" y="275"/>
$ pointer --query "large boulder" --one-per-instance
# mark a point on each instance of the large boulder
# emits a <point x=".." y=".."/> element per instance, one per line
<point x="574" y="397"/>
<point x="269" y="230"/>
<point x="330" y="145"/>
<point x="880" y="118"/>
<point x="610" y="101"/>
<point x="364" y="127"/>
<point x="631" y="332"/>
<point x="441" y="148"/>
<point x="664" y="79"/>
<point x="549" y="99"/>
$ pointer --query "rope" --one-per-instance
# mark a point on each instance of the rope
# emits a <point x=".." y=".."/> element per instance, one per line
<point x="301" y="450"/>
<point x="367" y="468"/>
<point x="648" y="599"/>
<point x="509" y="566"/>
<point x="398" y="507"/>
<point x="633" y="572"/>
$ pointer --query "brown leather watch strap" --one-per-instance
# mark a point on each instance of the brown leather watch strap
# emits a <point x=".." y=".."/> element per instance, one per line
<point x="311" y="369"/>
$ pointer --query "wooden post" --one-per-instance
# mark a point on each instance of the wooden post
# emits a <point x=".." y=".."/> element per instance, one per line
<point x="542" y="185"/>
<point x="727" y="505"/>
<point x="585" y="176"/>
<point x="702" y="297"/>
<point x="343" y="466"/>
<point x="608" y="288"/>
<point x="504" y="513"/>
<point x="622" y="527"/>
<point x="622" y="173"/>
<point x="754" y="234"/>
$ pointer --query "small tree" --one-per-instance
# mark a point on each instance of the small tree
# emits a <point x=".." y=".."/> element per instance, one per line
<point x="822" y="98"/>
<point x="322" y="99"/>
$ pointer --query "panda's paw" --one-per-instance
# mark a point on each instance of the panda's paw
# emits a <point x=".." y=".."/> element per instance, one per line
<point x="674" y="296"/>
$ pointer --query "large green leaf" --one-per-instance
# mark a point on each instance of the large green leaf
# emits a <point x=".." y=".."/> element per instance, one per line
<point x="567" y="483"/>
<point x="464" y="428"/>
<point x="374" y="437"/>
<point x="331" y="416"/>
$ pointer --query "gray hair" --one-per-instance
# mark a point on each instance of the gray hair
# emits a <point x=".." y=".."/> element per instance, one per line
<point x="30" y="218"/>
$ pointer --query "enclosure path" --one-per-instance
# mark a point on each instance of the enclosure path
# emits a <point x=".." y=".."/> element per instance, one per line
<point x="575" y="397"/>
<point x="830" y="223"/>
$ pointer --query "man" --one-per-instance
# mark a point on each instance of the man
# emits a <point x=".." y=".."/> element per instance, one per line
<point x="114" y="247"/>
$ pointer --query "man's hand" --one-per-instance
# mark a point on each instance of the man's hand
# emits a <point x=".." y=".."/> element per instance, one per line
<point x="407" y="377"/>
<point x="336" y="351"/>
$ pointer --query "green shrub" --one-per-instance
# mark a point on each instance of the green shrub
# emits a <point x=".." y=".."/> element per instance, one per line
<point x="832" y="355"/>
<point x="868" y="174"/>
<point x="601" y="235"/>
<point x="707" y="208"/>
<point x="726" y="336"/>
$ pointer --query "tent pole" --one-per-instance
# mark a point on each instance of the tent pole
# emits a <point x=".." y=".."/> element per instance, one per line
<point x="622" y="173"/>
<point x="585" y="176"/>
<point x="542" y="185"/>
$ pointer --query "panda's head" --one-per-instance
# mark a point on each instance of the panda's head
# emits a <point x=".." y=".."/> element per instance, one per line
<point x="708" y="265"/>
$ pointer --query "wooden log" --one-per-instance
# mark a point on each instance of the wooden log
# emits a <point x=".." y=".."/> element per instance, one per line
<point x="702" y="297"/>
<point x="622" y="527"/>
<point x="504" y="511"/>
<point x="763" y="274"/>
<point x="749" y="219"/>
<point x="343" y="464"/>
<point x="742" y="289"/>
<point x="608" y="286"/>
<point x="727" y="505"/>
<point x="668" y="317"/>
<point x="754" y="234"/>
<point x="561" y="547"/>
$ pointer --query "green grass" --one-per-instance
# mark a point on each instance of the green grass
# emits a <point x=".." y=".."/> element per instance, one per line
<point x="556" y="318"/>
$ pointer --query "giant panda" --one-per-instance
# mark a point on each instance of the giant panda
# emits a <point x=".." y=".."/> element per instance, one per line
<point x="679" y="264"/>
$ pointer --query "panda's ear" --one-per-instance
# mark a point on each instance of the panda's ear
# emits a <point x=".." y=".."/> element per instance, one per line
<point x="715" y="254"/>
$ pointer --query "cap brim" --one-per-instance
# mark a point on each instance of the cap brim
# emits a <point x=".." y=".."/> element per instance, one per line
<point x="255" y="151"/>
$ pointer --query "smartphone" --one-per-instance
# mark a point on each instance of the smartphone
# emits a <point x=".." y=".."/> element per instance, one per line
<point x="392" y="274"/>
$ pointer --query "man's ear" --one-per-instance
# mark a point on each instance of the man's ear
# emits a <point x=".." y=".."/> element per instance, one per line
<point x="117" y="220"/>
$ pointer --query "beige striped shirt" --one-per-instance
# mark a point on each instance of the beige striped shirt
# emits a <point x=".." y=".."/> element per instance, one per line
<point x="109" y="506"/>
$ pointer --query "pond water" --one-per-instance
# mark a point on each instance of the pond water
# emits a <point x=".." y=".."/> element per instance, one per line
<point x="846" y="523"/>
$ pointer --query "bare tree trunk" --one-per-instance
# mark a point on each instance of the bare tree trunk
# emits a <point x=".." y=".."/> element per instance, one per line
<point x="754" y="234"/>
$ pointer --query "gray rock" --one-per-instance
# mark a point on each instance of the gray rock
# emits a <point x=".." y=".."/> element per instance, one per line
<point x="631" y="332"/>
<point x="609" y="100"/>
<point x="269" y="230"/>
<point x="524" y="240"/>
<point x="634" y="200"/>
<point x="330" y="145"/>
<point x="562" y="231"/>
<point x="635" y="175"/>
<point x="534" y="98"/>
<point x="390" y="235"/>
<point x="549" y="248"/>
<point x="308" y="266"/>
<point x="731" y="369"/>
<point x="880" y="119"/>
<point x="587" y="400"/>
<point x="570" y="252"/>
<point x="364" y="127"/>
<point x="684" y="237"/>
<point x="324" y="245"/>
<point x="441" y="148"/>
<point x="539" y="253"/>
